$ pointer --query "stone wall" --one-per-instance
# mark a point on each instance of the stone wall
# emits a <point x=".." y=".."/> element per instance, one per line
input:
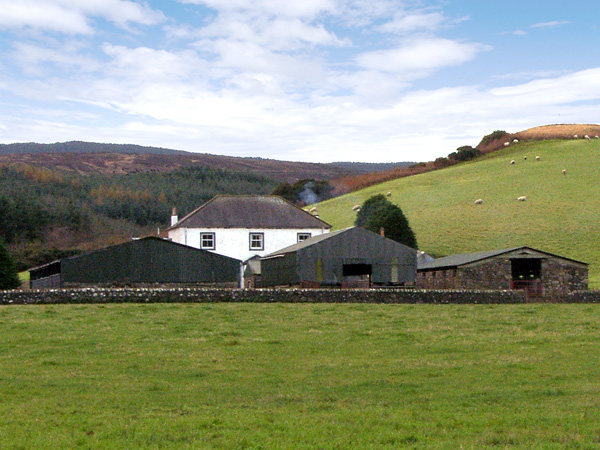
<point x="560" y="278"/>
<point x="206" y="295"/>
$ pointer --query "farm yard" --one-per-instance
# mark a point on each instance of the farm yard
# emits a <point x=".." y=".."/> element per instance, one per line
<point x="303" y="376"/>
<point x="559" y="212"/>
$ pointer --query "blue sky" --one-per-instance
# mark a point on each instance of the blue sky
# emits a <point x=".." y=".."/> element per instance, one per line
<point x="304" y="80"/>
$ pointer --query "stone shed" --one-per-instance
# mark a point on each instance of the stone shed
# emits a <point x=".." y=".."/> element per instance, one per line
<point x="539" y="273"/>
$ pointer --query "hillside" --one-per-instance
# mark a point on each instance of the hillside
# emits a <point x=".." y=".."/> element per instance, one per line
<point x="108" y="159"/>
<point x="561" y="214"/>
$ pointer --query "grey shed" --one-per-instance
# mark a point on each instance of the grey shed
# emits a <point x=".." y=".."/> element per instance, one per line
<point x="352" y="257"/>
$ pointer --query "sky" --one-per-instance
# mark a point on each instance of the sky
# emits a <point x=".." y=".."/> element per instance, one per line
<point x="300" y="80"/>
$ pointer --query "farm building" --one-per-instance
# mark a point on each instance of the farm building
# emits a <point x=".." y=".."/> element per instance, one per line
<point x="150" y="260"/>
<point x="245" y="226"/>
<point x="540" y="273"/>
<point x="352" y="257"/>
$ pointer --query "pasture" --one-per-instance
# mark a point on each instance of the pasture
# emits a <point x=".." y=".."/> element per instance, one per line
<point x="561" y="214"/>
<point x="302" y="376"/>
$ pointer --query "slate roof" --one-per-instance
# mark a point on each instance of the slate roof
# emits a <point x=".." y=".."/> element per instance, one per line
<point x="468" y="258"/>
<point x="307" y="243"/>
<point x="250" y="211"/>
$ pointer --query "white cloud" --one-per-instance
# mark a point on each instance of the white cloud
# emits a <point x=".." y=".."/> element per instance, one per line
<point x="73" y="16"/>
<point x="420" y="55"/>
<point x="409" y="23"/>
<point x="553" y="24"/>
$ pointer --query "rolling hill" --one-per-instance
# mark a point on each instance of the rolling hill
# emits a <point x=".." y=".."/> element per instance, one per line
<point x="561" y="214"/>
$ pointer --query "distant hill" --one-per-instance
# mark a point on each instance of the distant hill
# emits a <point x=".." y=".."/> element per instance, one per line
<point x="366" y="167"/>
<point x="108" y="159"/>
<point x="561" y="214"/>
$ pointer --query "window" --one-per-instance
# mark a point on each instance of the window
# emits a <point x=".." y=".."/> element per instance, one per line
<point x="257" y="241"/>
<point x="303" y="236"/>
<point x="207" y="241"/>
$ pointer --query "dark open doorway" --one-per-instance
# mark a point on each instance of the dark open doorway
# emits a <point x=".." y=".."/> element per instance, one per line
<point x="357" y="275"/>
<point x="526" y="275"/>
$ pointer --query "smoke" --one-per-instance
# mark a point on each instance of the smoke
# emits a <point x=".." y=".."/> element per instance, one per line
<point x="308" y="196"/>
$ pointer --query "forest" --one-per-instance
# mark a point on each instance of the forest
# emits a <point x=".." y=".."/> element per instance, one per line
<point x="48" y="214"/>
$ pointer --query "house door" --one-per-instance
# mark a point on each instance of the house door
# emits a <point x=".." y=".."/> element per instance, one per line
<point x="527" y="275"/>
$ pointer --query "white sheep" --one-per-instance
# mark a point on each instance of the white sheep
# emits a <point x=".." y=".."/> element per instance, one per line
<point x="479" y="201"/>
<point x="596" y="137"/>
<point x="356" y="208"/>
<point x="506" y="144"/>
<point x="313" y="210"/>
<point x="537" y="158"/>
<point x="575" y="136"/>
<point x="586" y="137"/>
<point x="525" y="157"/>
<point x="388" y="194"/>
<point x="515" y="141"/>
<point x="564" y="172"/>
<point x="513" y="161"/>
<point x="522" y="198"/>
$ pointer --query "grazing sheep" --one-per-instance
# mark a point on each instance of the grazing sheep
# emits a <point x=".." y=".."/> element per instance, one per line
<point x="586" y="137"/>
<point x="522" y="198"/>
<point x="479" y="201"/>
<point x="537" y="158"/>
<point x="506" y="144"/>
<point x="513" y="161"/>
<point x="575" y="136"/>
<point x="525" y="157"/>
<point x="564" y="172"/>
<point x="388" y="194"/>
<point x="313" y="210"/>
<point x="356" y="208"/>
<point x="596" y="137"/>
<point x="515" y="141"/>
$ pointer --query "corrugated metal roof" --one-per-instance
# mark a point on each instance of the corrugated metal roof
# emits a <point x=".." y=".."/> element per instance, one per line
<point x="468" y="258"/>
<point x="308" y="242"/>
<point x="249" y="211"/>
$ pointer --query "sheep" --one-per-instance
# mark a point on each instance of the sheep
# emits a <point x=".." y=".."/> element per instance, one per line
<point x="525" y="157"/>
<point x="515" y="141"/>
<point x="313" y="210"/>
<point x="479" y="201"/>
<point x="586" y="137"/>
<point x="388" y="194"/>
<point x="513" y="161"/>
<point x="506" y="144"/>
<point x="522" y="198"/>
<point x="537" y="158"/>
<point x="596" y="137"/>
<point x="356" y="208"/>
<point x="564" y="171"/>
<point x="575" y="136"/>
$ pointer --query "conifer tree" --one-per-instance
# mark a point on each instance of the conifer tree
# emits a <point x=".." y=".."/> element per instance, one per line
<point x="9" y="278"/>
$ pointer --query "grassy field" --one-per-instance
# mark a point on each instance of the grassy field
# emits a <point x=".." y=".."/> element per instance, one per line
<point x="561" y="214"/>
<point x="240" y="376"/>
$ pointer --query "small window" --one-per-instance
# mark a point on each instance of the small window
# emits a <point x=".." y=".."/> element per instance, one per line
<point x="207" y="241"/>
<point x="303" y="236"/>
<point x="257" y="241"/>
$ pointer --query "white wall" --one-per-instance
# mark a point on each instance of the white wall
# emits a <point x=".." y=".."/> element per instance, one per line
<point x="235" y="242"/>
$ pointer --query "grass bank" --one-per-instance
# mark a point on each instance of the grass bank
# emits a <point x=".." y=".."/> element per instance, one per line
<point x="280" y="376"/>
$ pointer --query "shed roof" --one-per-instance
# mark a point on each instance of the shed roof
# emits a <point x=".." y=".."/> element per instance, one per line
<point x="328" y="236"/>
<point x="468" y="258"/>
<point x="249" y="211"/>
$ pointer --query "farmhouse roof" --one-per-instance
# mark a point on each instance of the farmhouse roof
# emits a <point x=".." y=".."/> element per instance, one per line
<point x="250" y="211"/>
<point x="468" y="258"/>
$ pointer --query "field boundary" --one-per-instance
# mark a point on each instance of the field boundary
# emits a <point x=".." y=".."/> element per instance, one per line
<point x="214" y="295"/>
<point x="219" y="295"/>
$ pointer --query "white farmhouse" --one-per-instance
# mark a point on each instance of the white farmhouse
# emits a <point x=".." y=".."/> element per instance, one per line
<point x="244" y="226"/>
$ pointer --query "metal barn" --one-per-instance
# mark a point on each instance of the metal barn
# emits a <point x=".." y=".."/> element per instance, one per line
<point x="352" y="257"/>
<point x="150" y="260"/>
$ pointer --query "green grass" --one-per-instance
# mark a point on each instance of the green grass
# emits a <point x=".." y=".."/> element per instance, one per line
<point x="281" y="376"/>
<point x="561" y="214"/>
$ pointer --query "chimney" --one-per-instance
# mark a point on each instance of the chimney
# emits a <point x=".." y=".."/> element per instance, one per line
<point x="382" y="231"/>
<point x="174" y="217"/>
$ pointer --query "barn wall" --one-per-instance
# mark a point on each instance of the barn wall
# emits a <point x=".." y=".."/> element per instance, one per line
<point x="560" y="277"/>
